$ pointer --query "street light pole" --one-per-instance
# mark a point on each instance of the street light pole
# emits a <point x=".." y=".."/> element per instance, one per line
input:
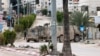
<point x="27" y="8"/>
<point x="53" y="26"/>
<point x="24" y="8"/>
<point x="18" y="11"/>
<point x="10" y="15"/>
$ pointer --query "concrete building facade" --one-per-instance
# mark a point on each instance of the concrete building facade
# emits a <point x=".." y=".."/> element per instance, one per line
<point x="46" y="4"/>
<point x="73" y="5"/>
<point x="5" y="5"/>
<point x="93" y="6"/>
<point x="93" y="10"/>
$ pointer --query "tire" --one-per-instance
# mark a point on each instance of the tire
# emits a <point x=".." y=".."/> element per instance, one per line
<point x="35" y="40"/>
<point x="28" y="40"/>
<point x="77" y="38"/>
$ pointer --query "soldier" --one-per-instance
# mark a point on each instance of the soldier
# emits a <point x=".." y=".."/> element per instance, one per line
<point x="12" y="21"/>
<point x="25" y="34"/>
<point x="4" y="15"/>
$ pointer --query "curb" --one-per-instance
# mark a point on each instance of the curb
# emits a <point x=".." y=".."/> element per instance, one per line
<point x="34" y="53"/>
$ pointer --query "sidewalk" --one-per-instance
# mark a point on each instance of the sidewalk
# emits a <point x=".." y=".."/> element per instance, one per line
<point x="34" y="52"/>
<point x="91" y="43"/>
<point x="96" y="42"/>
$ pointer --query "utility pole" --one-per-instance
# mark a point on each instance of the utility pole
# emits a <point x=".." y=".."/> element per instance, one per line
<point x="24" y="8"/>
<point x="11" y="17"/>
<point x="1" y="8"/>
<point x="53" y="26"/>
<point x="27" y="8"/>
<point x="18" y="10"/>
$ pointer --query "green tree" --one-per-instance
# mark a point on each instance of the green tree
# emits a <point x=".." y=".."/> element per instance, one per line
<point x="19" y="28"/>
<point x="44" y="50"/>
<point x="79" y="18"/>
<point x="59" y="17"/>
<point x="44" y="11"/>
<point x="66" y="44"/>
<point x="26" y="22"/>
<point x="24" y="9"/>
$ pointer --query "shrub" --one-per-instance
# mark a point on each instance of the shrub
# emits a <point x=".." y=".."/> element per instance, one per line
<point x="43" y="49"/>
<point x="34" y="15"/>
<point x="24" y="22"/>
<point x="44" y="11"/>
<point x="2" y="39"/>
<point x="10" y="37"/>
<point x="27" y="21"/>
<point x="18" y="28"/>
<point x="59" y="17"/>
<point x="30" y="19"/>
<point x="51" y="47"/>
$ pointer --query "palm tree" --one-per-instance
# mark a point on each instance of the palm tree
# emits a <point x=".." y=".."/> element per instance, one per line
<point x="79" y="18"/>
<point x="66" y="44"/>
<point x="59" y="17"/>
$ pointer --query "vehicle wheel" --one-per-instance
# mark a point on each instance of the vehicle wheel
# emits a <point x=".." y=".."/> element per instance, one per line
<point x="28" y="40"/>
<point x="35" y="40"/>
<point x="77" y="39"/>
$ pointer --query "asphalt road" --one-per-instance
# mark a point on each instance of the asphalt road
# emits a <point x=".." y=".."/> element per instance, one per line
<point x="77" y="48"/>
<point x="85" y="49"/>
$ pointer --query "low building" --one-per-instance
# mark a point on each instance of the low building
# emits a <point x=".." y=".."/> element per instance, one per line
<point x="46" y="4"/>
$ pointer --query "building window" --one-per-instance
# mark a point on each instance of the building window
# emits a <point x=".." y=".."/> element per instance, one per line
<point x="45" y="6"/>
<point x="75" y="1"/>
<point x="74" y="7"/>
<point x="98" y="8"/>
<point x="84" y="8"/>
<point x="70" y="3"/>
<point x="49" y="3"/>
<point x="38" y="5"/>
<point x="45" y="2"/>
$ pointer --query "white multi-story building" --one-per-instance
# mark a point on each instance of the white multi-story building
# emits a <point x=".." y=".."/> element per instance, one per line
<point x="46" y="4"/>
<point x="32" y="4"/>
<point x="5" y="5"/>
<point x="93" y="6"/>
<point x="73" y="5"/>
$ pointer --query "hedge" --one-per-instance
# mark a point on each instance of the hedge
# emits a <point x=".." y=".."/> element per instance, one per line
<point x="26" y="22"/>
<point x="9" y="36"/>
